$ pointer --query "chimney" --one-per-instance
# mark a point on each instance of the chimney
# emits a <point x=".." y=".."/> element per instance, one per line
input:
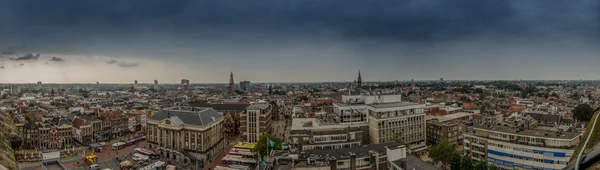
<point x="352" y="161"/>
<point x="333" y="163"/>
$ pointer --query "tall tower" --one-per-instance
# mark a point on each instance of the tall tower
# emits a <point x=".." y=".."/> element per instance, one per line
<point x="231" y="84"/>
<point x="359" y="80"/>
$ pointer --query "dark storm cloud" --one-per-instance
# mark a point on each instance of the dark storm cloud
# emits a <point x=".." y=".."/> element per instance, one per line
<point x="127" y="64"/>
<point x="383" y="19"/>
<point x="28" y="57"/>
<point x="112" y="61"/>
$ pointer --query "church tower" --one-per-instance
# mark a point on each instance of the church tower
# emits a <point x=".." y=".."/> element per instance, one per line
<point x="231" y="84"/>
<point x="359" y="80"/>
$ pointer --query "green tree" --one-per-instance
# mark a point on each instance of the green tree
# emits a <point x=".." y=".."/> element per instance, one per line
<point x="463" y="98"/>
<point x="4" y="96"/>
<point x="442" y="152"/>
<point x="466" y="163"/>
<point x="456" y="160"/>
<point x="554" y="95"/>
<point x="493" y="167"/>
<point x="261" y="144"/>
<point x="480" y="165"/>
<point x="583" y="112"/>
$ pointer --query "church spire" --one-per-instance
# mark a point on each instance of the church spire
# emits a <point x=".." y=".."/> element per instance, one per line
<point x="359" y="80"/>
<point x="231" y="83"/>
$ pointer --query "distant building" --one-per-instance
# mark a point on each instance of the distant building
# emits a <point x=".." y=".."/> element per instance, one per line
<point x="39" y="83"/>
<point x="155" y="84"/>
<point x="256" y="120"/>
<point x="245" y="85"/>
<point x="231" y="85"/>
<point x="135" y="82"/>
<point x="185" y="83"/>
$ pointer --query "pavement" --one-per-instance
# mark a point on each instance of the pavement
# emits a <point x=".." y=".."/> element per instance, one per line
<point x="107" y="155"/>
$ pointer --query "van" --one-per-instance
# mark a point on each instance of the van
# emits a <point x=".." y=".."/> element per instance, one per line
<point x="94" y="166"/>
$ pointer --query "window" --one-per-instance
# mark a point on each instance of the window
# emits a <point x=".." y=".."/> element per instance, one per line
<point x="340" y="163"/>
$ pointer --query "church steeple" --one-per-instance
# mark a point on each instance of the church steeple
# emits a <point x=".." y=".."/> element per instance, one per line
<point x="359" y="80"/>
<point x="231" y="83"/>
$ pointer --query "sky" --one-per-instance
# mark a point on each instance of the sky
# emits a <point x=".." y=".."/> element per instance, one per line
<point x="113" y="41"/>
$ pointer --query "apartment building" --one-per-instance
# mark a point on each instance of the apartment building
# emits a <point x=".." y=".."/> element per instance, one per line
<point x="256" y="120"/>
<point x="516" y="148"/>
<point x="438" y="131"/>
<point x="187" y="133"/>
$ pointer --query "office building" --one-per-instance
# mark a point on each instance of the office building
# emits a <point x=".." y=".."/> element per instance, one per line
<point x="155" y="84"/>
<point x="245" y="85"/>
<point x="256" y="120"/>
<point x="521" y="147"/>
<point x="322" y="133"/>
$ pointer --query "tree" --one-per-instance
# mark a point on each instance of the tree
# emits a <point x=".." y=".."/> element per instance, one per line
<point x="466" y="163"/>
<point x="456" y="160"/>
<point x="261" y="144"/>
<point x="583" y="112"/>
<point x="52" y="92"/>
<point x="442" y="152"/>
<point x="554" y="95"/>
<point x="463" y="98"/>
<point x="480" y="166"/>
<point x="4" y="96"/>
<point x="493" y="167"/>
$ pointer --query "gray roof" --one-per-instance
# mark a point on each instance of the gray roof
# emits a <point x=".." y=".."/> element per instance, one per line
<point x="345" y="152"/>
<point x="412" y="162"/>
<point x="261" y="106"/>
<point x="198" y="116"/>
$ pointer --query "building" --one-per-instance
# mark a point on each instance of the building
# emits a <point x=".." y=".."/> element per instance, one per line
<point x="438" y="131"/>
<point x="508" y="147"/>
<point x="398" y="120"/>
<point x="231" y="88"/>
<point x="316" y="133"/>
<point x="245" y="85"/>
<point x="155" y="84"/>
<point x="187" y="133"/>
<point x="185" y="83"/>
<point x="256" y="120"/>
<point x="368" y="157"/>
<point x="135" y="82"/>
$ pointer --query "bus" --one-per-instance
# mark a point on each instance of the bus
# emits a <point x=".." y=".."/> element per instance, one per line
<point x="147" y="152"/>
<point x="238" y="160"/>
<point x="118" y="145"/>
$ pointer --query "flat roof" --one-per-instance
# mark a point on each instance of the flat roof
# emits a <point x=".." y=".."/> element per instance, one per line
<point x="535" y="132"/>
<point x="395" y="104"/>
<point x="313" y="124"/>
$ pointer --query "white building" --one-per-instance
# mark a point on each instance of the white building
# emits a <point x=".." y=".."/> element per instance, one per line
<point x="533" y="148"/>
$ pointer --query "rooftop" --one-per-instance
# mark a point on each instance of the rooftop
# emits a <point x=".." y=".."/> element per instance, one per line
<point x="395" y="104"/>
<point x="199" y="116"/>
<point x="535" y="132"/>
<point x="261" y="106"/>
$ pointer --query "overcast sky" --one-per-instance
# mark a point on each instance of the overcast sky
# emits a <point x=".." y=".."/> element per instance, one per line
<point x="115" y="41"/>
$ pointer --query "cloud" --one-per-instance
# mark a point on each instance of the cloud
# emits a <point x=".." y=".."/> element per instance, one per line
<point x="58" y="59"/>
<point x="28" y="57"/>
<point x="127" y="64"/>
<point x="112" y="61"/>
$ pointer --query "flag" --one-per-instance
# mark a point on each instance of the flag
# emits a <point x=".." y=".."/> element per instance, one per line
<point x="271" y="143"/>
<point x="261" y="160"/>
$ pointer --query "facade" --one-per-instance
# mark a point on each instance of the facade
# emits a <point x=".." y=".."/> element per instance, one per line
<point x="402" y="120"/>
<point x="507" y="148"/>
<point x="187" y="133"/>
<point x="312" y="133"/>
<point x="438" y="131"/>
<point x="256" y="120"/>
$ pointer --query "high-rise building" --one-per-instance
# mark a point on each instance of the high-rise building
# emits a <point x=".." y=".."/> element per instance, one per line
<point x="185" y="83"/>
<point x="135" y="82"/>
<point x="155" y="84"/>
<point x="256" y="120"/>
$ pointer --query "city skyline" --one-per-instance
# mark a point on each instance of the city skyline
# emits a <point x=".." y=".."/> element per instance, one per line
<point x="299" y="41"/>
